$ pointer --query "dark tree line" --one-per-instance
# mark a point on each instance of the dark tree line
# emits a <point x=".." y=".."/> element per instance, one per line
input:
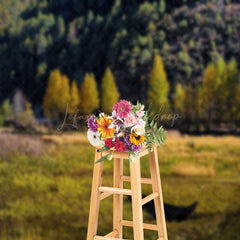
<point x="87" y="36"/>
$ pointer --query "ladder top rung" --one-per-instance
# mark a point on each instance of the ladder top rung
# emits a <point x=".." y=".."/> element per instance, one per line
<point x="115" y="190"/>
<point x="107" y="238"/>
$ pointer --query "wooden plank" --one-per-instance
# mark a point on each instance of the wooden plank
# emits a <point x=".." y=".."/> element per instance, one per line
<point x="158" y="201"/>
<point x="136" y="199"/>
<point x="104" y="195"/>
<point x="106" y="238"/>
<point x="152" y="227"/>
<point x="117" y="198"/>
<point x="95" y="198"/>
<point x="115" y="190"/>
<point x="112" y="234"/>
<point x="143" y="180"/>
<point x="149" y="198"/>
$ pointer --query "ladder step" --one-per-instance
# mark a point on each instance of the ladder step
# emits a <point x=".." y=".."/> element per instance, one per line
<point x="107" y="238"/>
<point x="112" y="234"/>
<point x="115" y="190"/>
<point x="143" y="180"/>
<point x="149" y="198"/>
<point x="145" y="225"/>
<point x="104" y="195"/>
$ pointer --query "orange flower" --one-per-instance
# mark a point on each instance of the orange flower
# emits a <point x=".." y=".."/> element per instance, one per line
<point x="103" y="128"/>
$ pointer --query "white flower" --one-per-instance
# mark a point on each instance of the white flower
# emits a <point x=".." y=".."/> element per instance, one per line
<point x="138" y="129"/>
<point x="94" y="138"/>
<point x="101" y="114"/>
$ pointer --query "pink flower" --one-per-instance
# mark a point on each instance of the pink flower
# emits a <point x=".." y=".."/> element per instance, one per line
<point x="130" y="120"/>
<point x="122" y="108"/>
<point x="140" y="113"/>
<point x="141" y="122"/>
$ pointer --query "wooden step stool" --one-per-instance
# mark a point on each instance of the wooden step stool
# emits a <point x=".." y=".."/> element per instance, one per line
<point x="100" y="192"/>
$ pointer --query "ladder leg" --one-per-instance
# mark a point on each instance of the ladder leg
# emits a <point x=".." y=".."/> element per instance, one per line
<point x="117" y="198"/>
<point x="136" y="199"/>
<point x="158" y="202"/>
<point x="95" y="198"/>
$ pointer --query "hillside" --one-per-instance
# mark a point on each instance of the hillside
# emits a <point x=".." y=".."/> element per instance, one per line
<point x="38" y="36"/>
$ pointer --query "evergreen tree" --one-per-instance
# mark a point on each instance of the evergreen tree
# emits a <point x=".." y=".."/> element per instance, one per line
<point x="179" y="98"/>
<point x="109" y="91"/>
<point x="209" y="90"/>
<point x="64" y="97"/>
<point x="74" y="98"/>
<point x="158" y="87"/>
<point x="89" y="96"/>
<point x="52" y="95"/>
<point x="232" y="88"/>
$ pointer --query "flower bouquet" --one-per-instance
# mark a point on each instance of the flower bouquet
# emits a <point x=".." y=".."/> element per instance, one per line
<point x="126" y="130"/>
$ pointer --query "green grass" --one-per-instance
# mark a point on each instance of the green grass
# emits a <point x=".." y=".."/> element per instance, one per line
<point x="47" y="196"/>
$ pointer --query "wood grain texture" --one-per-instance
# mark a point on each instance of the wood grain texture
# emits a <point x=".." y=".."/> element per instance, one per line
<point x="95" y="198"/>
<point x="117" y="198"/>
<point x="158" y="201"/>
<point x="136" y="199"/>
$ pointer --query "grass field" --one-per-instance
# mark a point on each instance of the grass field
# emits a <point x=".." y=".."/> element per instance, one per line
<point x="45" y="184"/>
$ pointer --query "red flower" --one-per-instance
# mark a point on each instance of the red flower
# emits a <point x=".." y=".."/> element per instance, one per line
<point x="120" y="147"/>
<point x="109" y="143"/>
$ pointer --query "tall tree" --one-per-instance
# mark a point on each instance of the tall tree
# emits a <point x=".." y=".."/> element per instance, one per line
<point x="64" y="96"/>
<point x="209" y="89"/>
<point x="109" y="91"/>
<point x="158" y="87"/>
<point x="52" y="95"/>
<point x="232" y="87"/>
<point x="179" y="98"/>
<point x="89" y="96"/>
<point x="74" y="98"/>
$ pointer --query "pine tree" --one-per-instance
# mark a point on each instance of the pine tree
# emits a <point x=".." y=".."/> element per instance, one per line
<point x="74" y="98"/>
<point x="232" y="88"/>
<point x="179" y="98"/>
<point x="52" y="95"/>
<point x="158" y="87"/>
<point x="64" y="96"/>
<point x="209" y="91"/>
<point x="109" y="91"/>
<point x="89" y="96"/>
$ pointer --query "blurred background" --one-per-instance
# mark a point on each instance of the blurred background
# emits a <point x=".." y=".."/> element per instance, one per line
<point x="61" y="60"/>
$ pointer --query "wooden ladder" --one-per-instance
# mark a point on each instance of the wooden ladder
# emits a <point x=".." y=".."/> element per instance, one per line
<point x="100" y="192"/>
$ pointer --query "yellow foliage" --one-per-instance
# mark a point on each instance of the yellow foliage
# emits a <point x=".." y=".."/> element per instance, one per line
<point x="74" y="98"/>
<point x="179" y="96"/>
<point x="158" y="86"/>
<point x="109" y="91"/>
<point x="51" y="98"/>
<point x="64" y="96"/>
<point x="89" y="96"/>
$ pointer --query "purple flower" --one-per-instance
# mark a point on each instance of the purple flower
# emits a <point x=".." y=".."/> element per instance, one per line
<point x="126" y="148"/>
<point x="136" y="148"/>
<point x="127" y="140"/>
<point x="92" y="124"/>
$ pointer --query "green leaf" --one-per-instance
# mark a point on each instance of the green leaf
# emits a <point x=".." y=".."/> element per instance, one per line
<point x="104" y="148"/>
<point x="104" y="158"/>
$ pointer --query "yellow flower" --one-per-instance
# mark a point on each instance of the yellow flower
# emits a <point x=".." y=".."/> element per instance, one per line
<point x="137" y="139"/>
<point x="104" y="130"/>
